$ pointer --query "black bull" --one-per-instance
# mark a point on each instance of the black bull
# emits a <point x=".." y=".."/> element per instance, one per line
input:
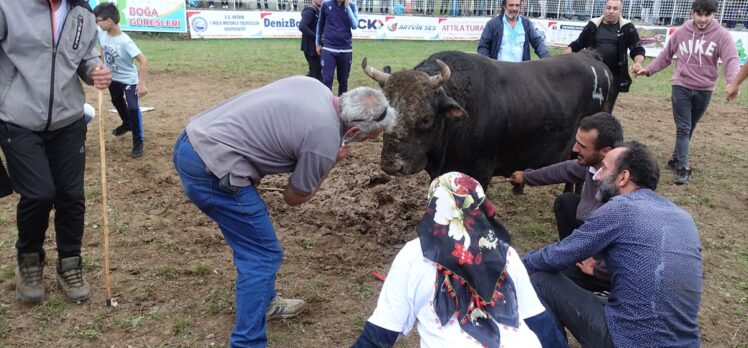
<point x="465" y="112"/>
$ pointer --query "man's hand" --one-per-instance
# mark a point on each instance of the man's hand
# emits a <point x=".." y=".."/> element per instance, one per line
<point x="641" y="71"/>
<point x="587" y="266"/>
<point x="635" y="68"/>
<point x="319" y="50"/>
<point x="733" y="91"/>
<point x="101" y="76"/>
<point x="567" y="50"/>
<point x="517" y="178"/>
<point x="342" y="152"/>
<point x="345" y="3"/>
<point x="141" y="90"/>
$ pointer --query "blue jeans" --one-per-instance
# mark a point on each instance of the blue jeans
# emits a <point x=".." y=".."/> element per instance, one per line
<point x="246" y="226"/>
<point x="688" y="107"/>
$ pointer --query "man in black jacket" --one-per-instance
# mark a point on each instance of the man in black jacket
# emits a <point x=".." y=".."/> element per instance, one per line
<point x="611" y="35"/>
<point x="308" y="28"/>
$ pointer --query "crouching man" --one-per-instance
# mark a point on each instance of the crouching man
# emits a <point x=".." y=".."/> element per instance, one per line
<point x="224" y="153"/>
<point x="653" y="254"/>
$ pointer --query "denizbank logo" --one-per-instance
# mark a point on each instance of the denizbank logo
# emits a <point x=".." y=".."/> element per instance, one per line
<point x="269" y="22"/>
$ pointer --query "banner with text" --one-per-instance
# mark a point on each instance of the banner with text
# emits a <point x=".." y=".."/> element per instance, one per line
<point x="279" y="24"/>
<point x="147" y="15"/>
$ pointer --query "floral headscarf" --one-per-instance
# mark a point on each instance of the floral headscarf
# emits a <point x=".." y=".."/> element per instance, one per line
<point x="459" y="233"/>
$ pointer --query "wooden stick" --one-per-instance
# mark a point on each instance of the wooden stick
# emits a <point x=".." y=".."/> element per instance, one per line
<point x="274" y="189"/>
<point x="104" y="204"/>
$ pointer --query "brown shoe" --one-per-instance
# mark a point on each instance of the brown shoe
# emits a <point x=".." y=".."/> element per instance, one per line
<point x="70" y="278"/>
<point x="29" y="282"/>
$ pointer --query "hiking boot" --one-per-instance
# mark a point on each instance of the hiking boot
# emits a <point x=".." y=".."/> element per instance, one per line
<point x="137" y="150"/>
<point x="672" y="164"/>
<point x="682" y="175"/>
<point x="70" y="278"/>
<point x="29" y="281"/>
<point x="121" y="130"/>
<point x="282" y="308"/>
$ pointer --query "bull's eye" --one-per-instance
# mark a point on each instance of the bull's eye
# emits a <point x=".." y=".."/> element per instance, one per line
<point x="426" y="123"/>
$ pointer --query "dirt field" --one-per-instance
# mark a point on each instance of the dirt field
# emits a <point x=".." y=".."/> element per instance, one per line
<point x="172" y="273"/>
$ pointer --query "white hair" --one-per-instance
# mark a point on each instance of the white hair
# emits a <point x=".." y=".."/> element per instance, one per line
<point x="360" y="107"/>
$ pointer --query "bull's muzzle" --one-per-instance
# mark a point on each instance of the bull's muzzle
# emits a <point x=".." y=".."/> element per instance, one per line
<point x="393" y="167"/>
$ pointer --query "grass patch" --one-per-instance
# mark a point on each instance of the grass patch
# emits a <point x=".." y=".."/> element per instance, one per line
<point x="166" y="273"/>
<point x="220" y="301"/>
<point x="128" y="323"/>
<point x="365" y="291"/>
<point x="91" y="261"/>
<point x="88" y="333"/>
<point x="160" y="224"/>
<point x="5" y="332"/>
<point x="182" y="326"/>
<point x="8" y="272"/>
<point x="202" y="269"/>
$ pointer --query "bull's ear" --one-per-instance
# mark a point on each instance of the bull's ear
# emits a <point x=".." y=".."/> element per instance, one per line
<point x="450" y="108"/>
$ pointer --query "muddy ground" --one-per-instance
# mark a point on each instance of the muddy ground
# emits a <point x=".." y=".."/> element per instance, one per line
<point x="172" y="273"/>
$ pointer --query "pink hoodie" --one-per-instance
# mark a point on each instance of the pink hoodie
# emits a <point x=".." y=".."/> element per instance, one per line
<point x="698" y="52"/>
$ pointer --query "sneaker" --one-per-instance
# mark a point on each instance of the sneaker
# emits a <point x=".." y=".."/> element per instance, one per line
<point x="211" y="6"/>
<point x="672" y="164"/>
<point x="121" y="130"/>
<point x="282" y="308"/>
<point x="137" y="150"/>
<point x="70" y="278"/>
<point x="682" y="175"/>
<point x="29" y="282"/>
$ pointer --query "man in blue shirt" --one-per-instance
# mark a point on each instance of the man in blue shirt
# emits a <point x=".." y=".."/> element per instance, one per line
<point x="653" y="253"/>
<point x="502" y="39"/>
<point x="334" y="40"/>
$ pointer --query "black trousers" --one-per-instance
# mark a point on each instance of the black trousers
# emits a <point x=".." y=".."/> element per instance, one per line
<point x="46" y="170"/>
<point x="315" y="67"/>
<point x="5" y="188"/>
<point x="574" y="308"/>
<point x="565" y="209"/>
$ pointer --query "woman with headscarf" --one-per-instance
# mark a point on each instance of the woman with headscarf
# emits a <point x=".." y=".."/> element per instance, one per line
<point x="459" y="282"/>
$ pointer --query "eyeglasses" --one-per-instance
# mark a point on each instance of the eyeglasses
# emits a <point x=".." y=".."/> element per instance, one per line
<point x="100" y="20"/>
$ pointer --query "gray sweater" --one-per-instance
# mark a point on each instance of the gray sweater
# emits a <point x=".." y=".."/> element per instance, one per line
<point x="39" y="89"/>
<point x="568" y="172"/>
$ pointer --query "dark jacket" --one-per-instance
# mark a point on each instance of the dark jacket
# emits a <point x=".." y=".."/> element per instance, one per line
<point x="490" y="39"/>
<point x="335" y="24"/>
<point x="628" y="38"/>
<point x="308" y="28"/>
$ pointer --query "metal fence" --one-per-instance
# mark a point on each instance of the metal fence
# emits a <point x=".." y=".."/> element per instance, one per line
<point x="731" y="13"/>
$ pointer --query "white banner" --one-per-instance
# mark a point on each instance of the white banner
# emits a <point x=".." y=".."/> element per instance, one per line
<point x="281" y="24"/>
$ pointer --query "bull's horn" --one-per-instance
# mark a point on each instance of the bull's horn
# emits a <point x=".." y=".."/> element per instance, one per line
<point x="375" y="74"/>
<point x="444" y="73"/>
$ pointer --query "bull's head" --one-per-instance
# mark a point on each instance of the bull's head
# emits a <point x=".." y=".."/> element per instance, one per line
<point x="424" y="112"/>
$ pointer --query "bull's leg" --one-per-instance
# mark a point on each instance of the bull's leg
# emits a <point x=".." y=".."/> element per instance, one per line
<point x="518" y="189"/>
